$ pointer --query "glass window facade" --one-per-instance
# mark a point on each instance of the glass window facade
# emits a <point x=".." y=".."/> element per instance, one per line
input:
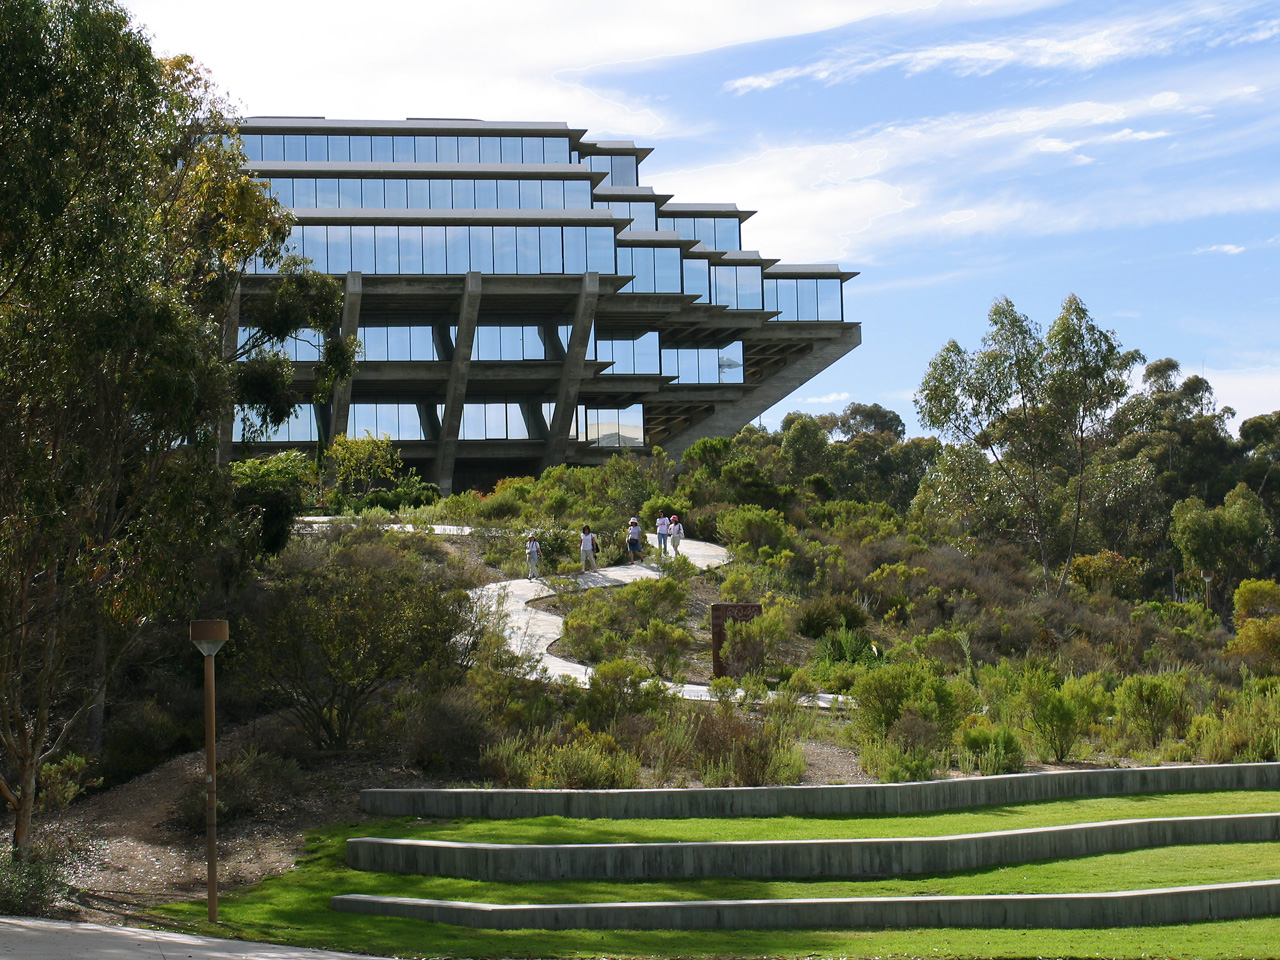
<point x="704" y="364"/>
<point x="306" y="346"/>
<point x="419" y="194"/>
<point x="656" y="269"/>
<point x="399" y="421"/>
<point x="612" y="427"/>
<point x="300" y="428"/>
<point x="716" y="233"/>
<point x="643" y="215"/>
<point x="638" y="355"/>
<point x="508" y="342"/>
<point x="804" y="299"/>
<point x="416" y="342"/>
<point x="737" y="287"/>
<point x="436" y="250"/>
<point x="494" y="420"/>
<point x="407" y="149"/>
<point x="620" y="171"/>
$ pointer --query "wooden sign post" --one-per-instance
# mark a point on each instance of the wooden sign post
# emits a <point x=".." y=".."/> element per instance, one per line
<point x="722" y="613"/>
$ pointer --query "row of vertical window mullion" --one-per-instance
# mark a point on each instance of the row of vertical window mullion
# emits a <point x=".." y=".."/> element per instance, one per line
<point x="804" y="298"/>
<point x="404" y="149"/>
<point x="340" y="193"/>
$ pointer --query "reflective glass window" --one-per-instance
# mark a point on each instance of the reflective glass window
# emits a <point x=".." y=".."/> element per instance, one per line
<point x="642" y="267"/>
<point x="555" y="150"/>
<point x="504" y="249"/>
<point x="530" y="194"/>
<point x="252" y="146"/>
<point x="447" y="149"/>
<point x="419" y="194"/>
<point x="488" y="343"/>
<point x="317" y="148"/>
<point x="527" y="243"/>
<point x="750" y="296"/>
<point x="410" y="249"/>
<point x="433" y="250"/>
<point x="626" y="267"/>
<point x="315" y="247"/>
<point x="339" y="149"/>
<point x="697" y="279"/>
<point x="666" y="223"/>
<point x="511" y="343"/>
<point x="486" y="194"/>
<point x="468" y="149"/>
<point x="532" y="150"/>
<point x="349" y="193"/>
<point x="422" y="343"/>
<point x="552" y="194"/>
<point x="382" y="150"/>
<point x="362" y="249"/>
<point x="829" y="300"/>
<point x="508" y="194"/>
<point x="327" y="193"/>
<point x="575" y="249"/>
<point x="511" y="152"/>
<point x="771" y="294"/>
<point x="295" y="147"/>
<point x="551" y="255"/>
<point x="724" y="288"/>
<point x="457" y="250"/>
<point x="643" y="216"/>
<point x="402" y="150"/>
<point x="424" y="149"/>
<point x="704" y="229"/>
<point x="603" y="165"/>
<point x="373" y="342"/>
<point x="730" y="363"/>
<point x="624" y="171"/>
<point x="272" y="146"/>
<point x="490" y="150"/>
<point x="362" y="419"/>
<point x="441" y="194"/>
<point x="397" y="197"/>
<point x="284" y="190"/>
<point x="397" y="343"/>
<point x="600" y="249"/>
<point x="577" y="195"/>
<point x="464" y="194"/>
<point x="339" y="249"/>
<point x="386" y="249"/>
<point x="482" y="249"/>
<point x="361" y="149"/>
<point x="666" y="270"/>
<point x="726" y="234"/>
<point x="304" y="192"/>
<point x="473" y="422"/>
<point x="807" y="299"/>
<point x="373" y="193"/>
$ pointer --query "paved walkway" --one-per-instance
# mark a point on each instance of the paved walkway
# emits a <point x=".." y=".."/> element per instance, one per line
<point x="60" y="940"/>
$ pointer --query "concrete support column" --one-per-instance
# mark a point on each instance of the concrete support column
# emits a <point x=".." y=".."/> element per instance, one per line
<point x="230" y="342"/>
<point x="571" y="378"/>
<point x="352" y="289"/>
<point x="456" y="392"/>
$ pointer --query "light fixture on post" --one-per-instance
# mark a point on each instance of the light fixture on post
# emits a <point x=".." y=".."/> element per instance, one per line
<point x="209" y="636"/>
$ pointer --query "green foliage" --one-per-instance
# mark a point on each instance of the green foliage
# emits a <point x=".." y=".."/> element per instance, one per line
<point x="1056" y="712"/>
<point x="62" y="782"/>
<point x="663" y="644"/>
<point x="31" y="888"/>
<point x="273" y="490"/>
<point x="1230" y="542"/>
<point x="987" y="747"/>
<point x="750" y="527"/>
<point x="251" y="782"/>
<point x="582" y="760"/>
<point x="749" y="647"/>
<point x="617" y="688"/>
<point x="1121" y="575"/>
<point x="907" y="715"/>
<point x="1152" y="706"/>
<point x="1248" y="731"/>
<point x="357" y="463"/>
<point x="1257" y="618"/>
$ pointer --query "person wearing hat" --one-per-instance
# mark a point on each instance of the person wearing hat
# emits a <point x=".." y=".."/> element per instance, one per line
<point x="677" y="534"/>
<point x="664" y="529"/>
<point x="532" y="553"/>
<point x="634" y="535"/>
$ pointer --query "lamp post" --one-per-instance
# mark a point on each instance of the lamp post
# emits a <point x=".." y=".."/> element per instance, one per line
<point x="1207" y="577"/>
<point x="209" y="636"/>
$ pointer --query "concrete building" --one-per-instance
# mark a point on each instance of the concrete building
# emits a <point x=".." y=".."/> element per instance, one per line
<point x="523" y="301"/>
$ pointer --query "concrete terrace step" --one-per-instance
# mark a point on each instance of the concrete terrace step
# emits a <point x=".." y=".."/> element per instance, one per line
<point x="797" y="859"/>
<point x="1129" y="908"/>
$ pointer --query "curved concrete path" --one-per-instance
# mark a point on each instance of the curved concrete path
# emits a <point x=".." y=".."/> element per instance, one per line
<point x="22" y="939"/>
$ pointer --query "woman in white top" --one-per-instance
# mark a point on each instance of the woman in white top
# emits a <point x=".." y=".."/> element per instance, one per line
<point x="664" y="528"/>
<point x="588" y="549"/>
<point x="635" y="541"/>
<point x="677" y="534"/>
<point x="532" y="553"/>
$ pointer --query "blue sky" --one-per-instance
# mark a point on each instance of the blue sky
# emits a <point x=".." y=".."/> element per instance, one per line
<point x="953" y="152"/>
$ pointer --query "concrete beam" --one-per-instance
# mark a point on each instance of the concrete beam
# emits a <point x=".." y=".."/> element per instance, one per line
<point x="352" y="291"/>
<point x="728" y="418"/>
<point x="456" y="391"/>
<point x="571" y="379"/>
<point x="230" y="341"/>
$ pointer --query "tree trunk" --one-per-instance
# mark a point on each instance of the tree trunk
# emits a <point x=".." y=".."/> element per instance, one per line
<point x="22" y="814"/>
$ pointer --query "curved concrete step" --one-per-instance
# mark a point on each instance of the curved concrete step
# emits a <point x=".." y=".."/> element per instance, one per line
<point x="797" y="859"/>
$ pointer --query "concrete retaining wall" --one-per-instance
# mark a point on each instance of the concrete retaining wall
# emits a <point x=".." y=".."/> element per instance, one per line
<point x="892" y="798"/>
<point x="1126" y="909"/>
<point x="796" y="859"/>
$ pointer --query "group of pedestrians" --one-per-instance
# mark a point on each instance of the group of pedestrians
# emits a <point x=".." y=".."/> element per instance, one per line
<point x="670" y="533"/>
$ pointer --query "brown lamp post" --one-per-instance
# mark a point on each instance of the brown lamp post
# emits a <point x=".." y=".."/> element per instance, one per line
<point x="209" y="636"/>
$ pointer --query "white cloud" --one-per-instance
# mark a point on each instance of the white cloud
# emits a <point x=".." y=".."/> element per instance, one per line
<point x="1227" y="248"/>
<point x="1250" y="391"/>
<point x="830" y="398"/>
<point x="1156" y="31"/>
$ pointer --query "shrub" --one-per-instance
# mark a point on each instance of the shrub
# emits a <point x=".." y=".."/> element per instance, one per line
<point x="1247" y="732"/>
<point x="442" y="729"/>
<point x="139" y="736"/>
<point x="582" y="760"/>
<point x="616" y="688"/>
<point x="750" y="527"/>
<point x="663" y="644"/>
<point x="1057" y="713"/>
<point x="827" y="613"/>
<point x="250" y="780"/>
<point x="843" y="645"/>
<point x="31" y="888"/>
<point x="988" y="748"/>
<point x="906" y="717"/>
<point x="741" y="751"/>
<point x="1152" y="706"/>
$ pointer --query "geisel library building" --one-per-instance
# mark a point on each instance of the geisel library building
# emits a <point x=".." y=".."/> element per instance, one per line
<point x="523" y="301"/>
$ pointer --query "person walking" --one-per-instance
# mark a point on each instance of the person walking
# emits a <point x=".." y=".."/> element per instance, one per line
<point x="589" y="549"/>
<point x="677" y="534"/>
<point x="634" y="535"/>
<point x="532" y="553"/>
<point x="664" y="530"/>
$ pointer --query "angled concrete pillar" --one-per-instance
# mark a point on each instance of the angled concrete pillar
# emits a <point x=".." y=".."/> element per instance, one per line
<point x="352" y="289"/>
<point x="456" y="392"/>
<point x="230" y="341"/>
<point x="571" y="378"/>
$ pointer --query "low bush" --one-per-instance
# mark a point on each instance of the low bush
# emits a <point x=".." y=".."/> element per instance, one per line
<point x="988" y="748"/>
<point x="1247" y="732"/>
<point x="1153" y="706"/>
<point x="442" y="730"/>
<point x="250" y="781"/>
<point x="32" y="888"/>
<point x="580" y="760"/>
<point x="1056" y="713"/>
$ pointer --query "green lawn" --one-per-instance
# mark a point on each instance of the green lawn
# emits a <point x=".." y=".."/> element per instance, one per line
<point x="974" y="820"/>
<point x="294" y="909"/>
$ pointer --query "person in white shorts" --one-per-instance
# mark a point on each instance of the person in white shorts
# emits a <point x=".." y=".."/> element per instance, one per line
<point x="677" y="534"/>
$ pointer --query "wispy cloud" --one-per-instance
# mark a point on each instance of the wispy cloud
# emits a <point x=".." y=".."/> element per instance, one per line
<point x="1227" y="248"/>
<point x="1153" y="32"/>
<point x="830" y="398"/>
